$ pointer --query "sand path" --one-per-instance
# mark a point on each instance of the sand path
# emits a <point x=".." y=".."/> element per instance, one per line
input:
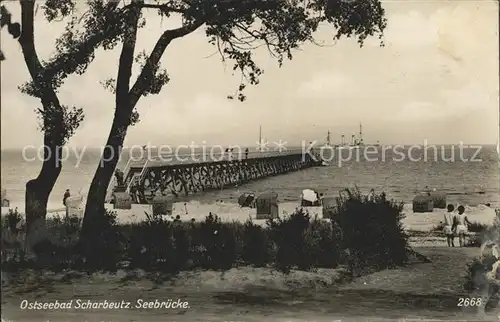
<point x="428" y="291"/>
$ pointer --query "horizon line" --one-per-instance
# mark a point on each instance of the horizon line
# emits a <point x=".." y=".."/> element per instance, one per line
<point x="248" y="146"/>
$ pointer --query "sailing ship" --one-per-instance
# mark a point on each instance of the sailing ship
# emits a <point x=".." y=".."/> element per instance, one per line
<point x="356" y="143"/>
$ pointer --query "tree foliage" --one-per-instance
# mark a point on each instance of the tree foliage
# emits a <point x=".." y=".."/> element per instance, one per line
<point x="234" y="27"/>
<point x="13" y="28"/>
<point x="57" y="121"/>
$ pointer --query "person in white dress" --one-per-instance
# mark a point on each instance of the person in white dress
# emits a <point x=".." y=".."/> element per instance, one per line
<point x="449" y="224"/>
<point x="462" y="222"/>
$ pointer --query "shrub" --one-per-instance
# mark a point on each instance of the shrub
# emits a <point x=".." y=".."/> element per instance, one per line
<point x="59" y="248"/>
<point x="256" y="247"/>
<point x="11" y="220"/>
<point x="289" y="236"/>
<point x="372" y="229"/>
<point x="323" y="239"/>
<point x="151" y="245"/>
<point x="57" y="244"/>
<point x="218" y="242"/>
<point x="12" y="238"/>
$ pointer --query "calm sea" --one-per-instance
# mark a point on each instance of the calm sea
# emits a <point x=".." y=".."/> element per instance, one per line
<point x="468" y="177"/>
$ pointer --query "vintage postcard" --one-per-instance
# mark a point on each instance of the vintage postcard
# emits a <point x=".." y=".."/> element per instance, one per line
<point x="250" y="160"/>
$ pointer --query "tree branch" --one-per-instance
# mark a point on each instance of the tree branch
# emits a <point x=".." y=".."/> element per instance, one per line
<point x="69" y="61"/>
<point x="52" y="113"/>
<point x="162" y="7"/>
<point x="148" y="71"/>
<point x="27" y="42"/>
<point x="126" y="61"/>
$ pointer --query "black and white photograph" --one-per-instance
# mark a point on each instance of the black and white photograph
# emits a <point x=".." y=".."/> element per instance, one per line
<point x="250" y="160"/>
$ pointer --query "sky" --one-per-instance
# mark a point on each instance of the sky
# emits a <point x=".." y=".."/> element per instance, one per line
<point x="436" y="80"/>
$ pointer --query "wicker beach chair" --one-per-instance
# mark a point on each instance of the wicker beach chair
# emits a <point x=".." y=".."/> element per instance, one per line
<point x="162" y="205"/>
<point x="122" y="200"/>
<point x="267" y="206"/>
<point x="423" y="203"/>
<point x="309" y="198"/>
<point x="329" y="206"/>
<point x="4" y="200"/>
<point x="439" y="199"/>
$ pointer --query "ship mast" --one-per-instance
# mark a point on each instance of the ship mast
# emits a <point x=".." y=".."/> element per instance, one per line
<point x="260" y="138"/>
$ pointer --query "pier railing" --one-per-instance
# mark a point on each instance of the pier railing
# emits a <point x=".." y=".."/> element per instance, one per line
<point x="137" y="169"/>
<point x="174" y="159"/>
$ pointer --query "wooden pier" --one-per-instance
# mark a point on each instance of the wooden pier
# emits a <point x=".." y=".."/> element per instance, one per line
<point x="187" y="175"/>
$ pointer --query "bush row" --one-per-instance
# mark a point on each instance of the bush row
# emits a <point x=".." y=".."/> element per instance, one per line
<point x="362" y="233"/>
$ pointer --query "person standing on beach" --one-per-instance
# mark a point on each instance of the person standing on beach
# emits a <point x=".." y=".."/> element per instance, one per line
<point x="462" y="223"/>
<point x="450" y="221"/>
<point x="67" y="194"/>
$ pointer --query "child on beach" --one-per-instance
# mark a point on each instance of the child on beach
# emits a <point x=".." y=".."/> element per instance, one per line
<point x="449" y="225"/>
<point x="462" y="222"/>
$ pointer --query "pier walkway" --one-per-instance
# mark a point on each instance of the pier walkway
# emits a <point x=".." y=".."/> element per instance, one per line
<point x="191" y="173"/>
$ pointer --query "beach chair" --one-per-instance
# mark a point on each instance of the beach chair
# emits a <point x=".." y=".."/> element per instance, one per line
<point x="423" y="203"/>
<point x="309" y="198"/>
<point x="122" y="200"/>
<point x="5" y="201"/>
<point x="329" y="206"/>
<point x="246" y="200"/>
<point x="267" y="206"/>
<point x="75" y="205"/>
<point x="439" y="199"/>
<point x="162" y="205"/>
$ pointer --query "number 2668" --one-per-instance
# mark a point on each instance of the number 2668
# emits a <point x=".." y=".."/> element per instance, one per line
<point x="466" y="301"/>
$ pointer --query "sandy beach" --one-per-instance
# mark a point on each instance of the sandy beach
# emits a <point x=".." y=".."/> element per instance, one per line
<point x="233" y="212"/>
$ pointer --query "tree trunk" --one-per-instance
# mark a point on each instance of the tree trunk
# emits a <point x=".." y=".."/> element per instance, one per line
<point x="90" y="236"/>
<point x="38" y="191"/>
<point x="94" y="209"/>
